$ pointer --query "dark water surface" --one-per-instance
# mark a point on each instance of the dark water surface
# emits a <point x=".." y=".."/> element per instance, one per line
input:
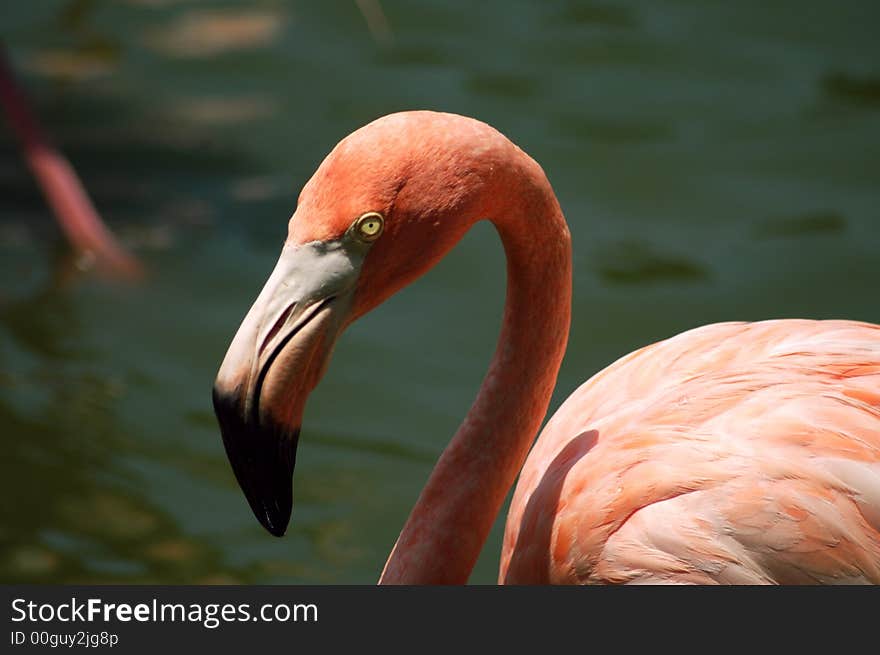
<point x="715" y="160"/>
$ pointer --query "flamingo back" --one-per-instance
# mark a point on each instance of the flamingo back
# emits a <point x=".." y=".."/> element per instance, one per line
<point x="738" y="453"/>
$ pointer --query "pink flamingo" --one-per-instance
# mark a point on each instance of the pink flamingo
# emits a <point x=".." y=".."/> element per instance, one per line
<point x="60" y="184"/>
<point x="733" y="453"/>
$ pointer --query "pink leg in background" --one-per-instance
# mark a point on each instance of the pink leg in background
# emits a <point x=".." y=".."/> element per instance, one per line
<point x="60" y="184"/>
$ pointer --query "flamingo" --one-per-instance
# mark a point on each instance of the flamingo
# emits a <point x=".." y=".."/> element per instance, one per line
<point x="735" y="453"/>
<point x="60" y="184"/>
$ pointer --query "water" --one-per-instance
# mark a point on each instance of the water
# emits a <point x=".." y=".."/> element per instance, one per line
<point x="715" y="161"/>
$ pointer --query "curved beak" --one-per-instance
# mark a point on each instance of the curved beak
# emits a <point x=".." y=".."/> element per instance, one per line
<point x="277" y="357"/>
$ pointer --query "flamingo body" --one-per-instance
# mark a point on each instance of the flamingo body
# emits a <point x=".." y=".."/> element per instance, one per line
<point x="738" y="453"/>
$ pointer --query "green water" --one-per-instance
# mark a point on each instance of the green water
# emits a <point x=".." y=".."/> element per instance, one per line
<point x="715" y="160"/>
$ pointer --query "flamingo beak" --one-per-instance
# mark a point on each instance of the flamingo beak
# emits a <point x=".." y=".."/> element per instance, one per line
<point x="277" y="357"/>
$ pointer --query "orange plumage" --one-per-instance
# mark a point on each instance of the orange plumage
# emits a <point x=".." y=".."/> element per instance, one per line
<point x="732" y="453"/>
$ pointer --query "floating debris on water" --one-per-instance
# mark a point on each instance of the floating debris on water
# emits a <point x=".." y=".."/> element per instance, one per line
<point x="200" y="34"/>
<point x="813" y="223"/>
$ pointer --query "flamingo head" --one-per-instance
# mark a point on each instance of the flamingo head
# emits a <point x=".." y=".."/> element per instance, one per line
<point x="384" y="206"/>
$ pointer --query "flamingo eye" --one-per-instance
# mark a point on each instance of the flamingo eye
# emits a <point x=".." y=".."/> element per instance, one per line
<point x="369" y="226"/>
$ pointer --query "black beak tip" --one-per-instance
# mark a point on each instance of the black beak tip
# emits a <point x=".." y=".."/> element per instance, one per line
<point x="262" y="457"/>
<point x="276" y="524"/>
<point x="276" y="529"/>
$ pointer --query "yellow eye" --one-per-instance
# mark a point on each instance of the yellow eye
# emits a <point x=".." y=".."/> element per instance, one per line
<point x="369" y="226"/>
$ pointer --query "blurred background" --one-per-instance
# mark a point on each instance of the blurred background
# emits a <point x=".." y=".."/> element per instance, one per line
<point x="715" y="160"/>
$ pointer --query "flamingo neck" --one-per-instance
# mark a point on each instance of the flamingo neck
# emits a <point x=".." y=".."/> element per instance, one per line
<point x="446" y="530"/>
